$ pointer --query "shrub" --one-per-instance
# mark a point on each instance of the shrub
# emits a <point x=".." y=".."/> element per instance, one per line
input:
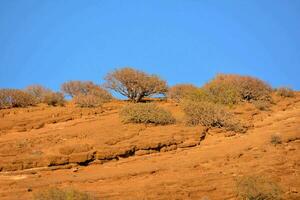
<point x="276" y="139"/>
<point x="74" y="88"/>
<point x="37" y="91"/>
<point x="231" y="89"/>
<point x="262" y="105"/>
<point x="135" y="84"/>
<point x="88" y="101"/>
<point x="146" y="113"/>
<point x="54" y="98"/>
<point x="285" y="92"/>
<point x="62" y="194"/>
<point x="181" y="91"/>
<point x="10" y="98"/>
<point x="257" y="188"/>
<point x="211" y="115"/>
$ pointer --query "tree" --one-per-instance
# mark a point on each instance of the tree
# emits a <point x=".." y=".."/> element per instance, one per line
<point x="135" y="84"/>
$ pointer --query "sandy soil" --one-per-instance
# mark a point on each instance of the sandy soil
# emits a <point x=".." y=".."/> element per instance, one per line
<point x="93" y="151"/>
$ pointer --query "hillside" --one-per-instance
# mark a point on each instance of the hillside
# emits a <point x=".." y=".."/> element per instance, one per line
<point x="90" y="149"/>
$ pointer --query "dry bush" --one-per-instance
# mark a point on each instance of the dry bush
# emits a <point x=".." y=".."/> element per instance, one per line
<point x="180" y="91"/>
<point x="10" y="98"/>
<point x="88" y="101"/>
<point x="62" y="194"/>
<point x="37" y="91"/>
<point x="146" y="113"/>
<point x="257" y="188"/>
<point x="276" y="139"/>
<point x="74" y="88"/>
<point x="262" y="105"/>
<point x="54" y="99"/>
<point x="135" y="84"/>
<point x="211" y="115"/>
<point x="231" y="89"/>
<point x="285" y="92"/>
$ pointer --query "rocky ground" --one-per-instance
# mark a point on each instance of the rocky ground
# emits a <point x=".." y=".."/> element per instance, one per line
<point x="93" y="151"/>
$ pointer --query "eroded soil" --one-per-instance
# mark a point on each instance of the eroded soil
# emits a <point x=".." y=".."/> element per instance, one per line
<point x="92" y="150"/>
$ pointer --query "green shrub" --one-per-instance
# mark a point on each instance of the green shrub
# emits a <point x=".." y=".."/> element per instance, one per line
<point x="257" y="188"/>
<point x="285" y="92"/>
<point x="54" y="99"/>
<point x="181" y="91"/>
<point x="10" y="98"/>
<point x="211" y="115"/>
<point x="146" y="113"/>
<point x="62" y="194"/>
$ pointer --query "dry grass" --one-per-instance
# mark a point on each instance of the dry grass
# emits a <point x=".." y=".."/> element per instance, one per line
<point x="62" y="194"/>
<point x="211" y="115"/>
<point x="285" y="92"/>
<point x="10" y="98"/>
<point x="262" y="105"/>
<point x="88" y="101"/>
<point x="257" y="188"/>
<point x="147" y="113"/>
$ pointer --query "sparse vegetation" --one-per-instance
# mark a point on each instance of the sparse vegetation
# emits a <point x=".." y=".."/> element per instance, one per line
<point x="211" y="115"/>
<point x="62" y="194"/>
<point x="147" y="113"/>
<point x="88" y="101"/>
<point x="257" y="188"/>
<point x="276" y="139"/>
<point x="285" y="92"/>
<point x="180" y="91"/>
<point x="135" y="84"/>
<point x="262" y="105"/>
<point x="10" y="98"/>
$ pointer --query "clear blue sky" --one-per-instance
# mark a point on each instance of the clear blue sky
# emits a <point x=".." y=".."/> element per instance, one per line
<point x="52" y="41"/>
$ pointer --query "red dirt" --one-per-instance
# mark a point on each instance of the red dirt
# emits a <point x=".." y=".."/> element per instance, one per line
<point x="93" y="151"/>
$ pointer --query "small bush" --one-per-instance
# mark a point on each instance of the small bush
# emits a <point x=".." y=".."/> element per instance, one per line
<point x="146" y="113"/>
<point x="211" y="115"/>
<point x="54" y="99"/>
<point x="257" y="188"/>
<point x="285" y="92"/>
<point x="88" y="101"/>
<point x="38" y="92"/>
<point x="62" y="194"/>
<point x="10" y="98"/>
<point x="262" y="105"/>
<point x="276" y="139"/>
<point x="180" y="91"/>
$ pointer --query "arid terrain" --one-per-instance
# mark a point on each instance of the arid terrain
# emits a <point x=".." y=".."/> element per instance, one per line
<point x="91" y="150"/>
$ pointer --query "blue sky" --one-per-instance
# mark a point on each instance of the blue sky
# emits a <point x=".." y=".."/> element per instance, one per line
<point x="52" y="41"/>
